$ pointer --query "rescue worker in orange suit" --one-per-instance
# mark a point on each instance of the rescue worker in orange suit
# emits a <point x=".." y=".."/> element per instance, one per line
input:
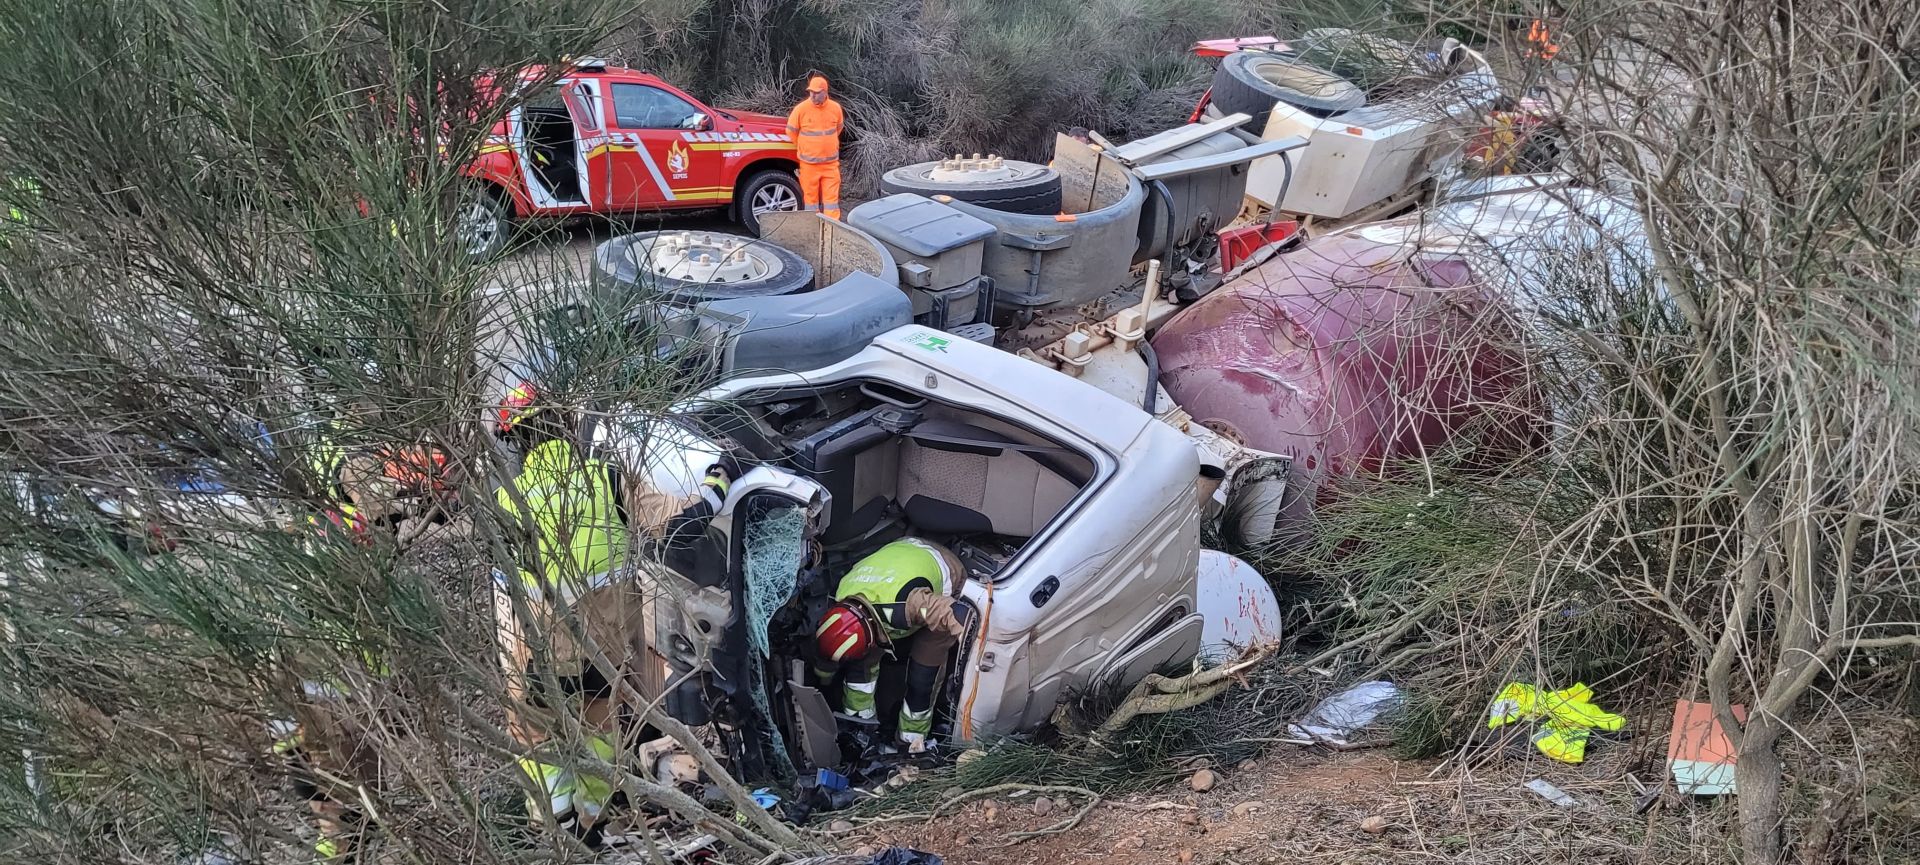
<point x="903" y="593"/>
<point x="814" y="126"/>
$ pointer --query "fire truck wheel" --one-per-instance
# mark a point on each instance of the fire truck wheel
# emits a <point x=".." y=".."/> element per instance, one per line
<point x="765" y="192"/>
<point x="695" y="266"/>
<point x="1250" y="82"/>
<point x="999" y="184"/>
<point x="484" y="223"/>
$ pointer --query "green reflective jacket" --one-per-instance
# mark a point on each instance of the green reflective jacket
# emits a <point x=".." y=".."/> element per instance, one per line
<point x="574" y="514"/>
<point x="886" y="577"/>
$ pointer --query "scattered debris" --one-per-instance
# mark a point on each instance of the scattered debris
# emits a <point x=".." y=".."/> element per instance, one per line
<point x="1245" y="808"/>
<point x="674" y="769"/>
<point x="1646" y="795"/>
<point x="1375" y="825"/>
<point x="968" y="756"/>
<point x="1042" y="806"/>
<point x="1567" y="717"/>
<point x="1162" y="805"/>
<point x="1244" y="765"/>
<point x="1131" y="842"/>
<point x="1338" y="717"/>
<point x="1191" y="818"/>
<point x="903" y="856"/>
<point x="690" y="847"/>
<point x="1204" y="780"/>
<point x="839" y="826"/>
<point x="1699" y="753"/>
<point x="1186" y="856"/>
<point x="831" y="780"/>
<point x="1552" y="794"/>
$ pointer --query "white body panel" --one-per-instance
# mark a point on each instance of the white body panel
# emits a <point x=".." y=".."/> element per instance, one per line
<point x="1358" y="158"/>
<point x="1123" y="553"/>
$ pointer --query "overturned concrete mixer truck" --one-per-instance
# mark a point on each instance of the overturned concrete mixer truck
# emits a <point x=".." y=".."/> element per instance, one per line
<point x="938" y="368"/>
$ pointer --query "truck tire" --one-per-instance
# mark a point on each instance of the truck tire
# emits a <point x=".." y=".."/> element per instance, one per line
<point x="698" y="266"/>
<point x="1249" y="82"/>
<point x="484" y="223"/>
<point x="1014" y="187"/>
<point x="765" y="191"/>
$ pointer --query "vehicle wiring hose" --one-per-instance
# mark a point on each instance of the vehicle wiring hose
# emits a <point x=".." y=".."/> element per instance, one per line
<point x="1152" y="400"/>
<point x="966" y="711"/>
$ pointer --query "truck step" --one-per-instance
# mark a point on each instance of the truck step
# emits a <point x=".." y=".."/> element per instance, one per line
<point x="980" y="332"/>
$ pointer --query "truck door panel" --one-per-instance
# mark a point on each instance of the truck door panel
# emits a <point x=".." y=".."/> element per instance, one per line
<point x="699" y="622"/>
<point x="590" y="133"/>
<point x="1100" y="605"/>
<point x="656" y="161"/>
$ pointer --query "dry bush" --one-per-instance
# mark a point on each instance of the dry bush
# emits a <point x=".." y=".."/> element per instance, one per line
<point x="1730" y="490"/>
<point x="234" y="225"/>
<point x="920" y="80"/>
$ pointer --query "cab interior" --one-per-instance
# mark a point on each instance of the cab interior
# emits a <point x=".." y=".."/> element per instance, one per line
<point x="551" y="146"/>
<point x="895" y="464"/>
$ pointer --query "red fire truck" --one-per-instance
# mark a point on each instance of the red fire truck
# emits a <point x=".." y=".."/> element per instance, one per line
<point x="607" y="140"/>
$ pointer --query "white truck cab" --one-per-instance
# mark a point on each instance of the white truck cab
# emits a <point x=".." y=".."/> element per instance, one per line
<point x="1077" y="517"/>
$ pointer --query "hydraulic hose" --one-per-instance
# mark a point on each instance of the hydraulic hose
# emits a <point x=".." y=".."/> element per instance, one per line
<point x="1152" y="399"/>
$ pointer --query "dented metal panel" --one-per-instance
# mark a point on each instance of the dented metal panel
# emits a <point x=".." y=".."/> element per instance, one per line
<point x="1349" y="354"/>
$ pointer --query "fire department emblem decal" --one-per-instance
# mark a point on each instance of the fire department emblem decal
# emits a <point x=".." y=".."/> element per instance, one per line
<point x="677" y="158"/>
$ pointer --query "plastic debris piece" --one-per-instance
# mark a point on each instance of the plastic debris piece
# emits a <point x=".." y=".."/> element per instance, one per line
<point x="831" y="780"/>
<point x="1338" y="717"/>
<point x="1552" y="794"/>
<point x="904" y="856"/>
<point x="1699" y="753"/>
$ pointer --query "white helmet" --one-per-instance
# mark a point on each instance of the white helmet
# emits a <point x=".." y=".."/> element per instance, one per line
<point x="670" y="458"/>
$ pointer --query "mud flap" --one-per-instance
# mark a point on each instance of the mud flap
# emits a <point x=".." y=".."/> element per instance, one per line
<point x="834" y="248"/>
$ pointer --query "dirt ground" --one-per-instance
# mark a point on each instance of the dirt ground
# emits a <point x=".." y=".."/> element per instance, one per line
<point x="1300" y="806"/>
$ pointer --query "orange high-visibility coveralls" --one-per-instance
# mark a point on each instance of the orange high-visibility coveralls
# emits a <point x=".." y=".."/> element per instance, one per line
<point x="815" y="128"/>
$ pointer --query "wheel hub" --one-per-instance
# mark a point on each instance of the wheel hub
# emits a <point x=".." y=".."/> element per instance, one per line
<point x="706" y="258"/>
<point x="975" y="169"/>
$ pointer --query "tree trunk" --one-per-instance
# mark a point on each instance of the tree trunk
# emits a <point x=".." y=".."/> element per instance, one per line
<point x="1757" y="782"/>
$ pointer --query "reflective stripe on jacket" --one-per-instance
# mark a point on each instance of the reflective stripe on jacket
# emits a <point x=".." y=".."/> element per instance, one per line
<point x="816" y="131"/>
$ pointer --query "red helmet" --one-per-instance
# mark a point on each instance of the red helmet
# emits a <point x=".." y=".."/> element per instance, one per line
<point x="517" y="406"/>
<point x="843" y="634"/>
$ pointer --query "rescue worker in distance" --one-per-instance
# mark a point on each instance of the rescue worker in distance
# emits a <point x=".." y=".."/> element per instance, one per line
<point x="327" y="743"/>
<point x="815" y="126"/>
<point x="902" y="593"/>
